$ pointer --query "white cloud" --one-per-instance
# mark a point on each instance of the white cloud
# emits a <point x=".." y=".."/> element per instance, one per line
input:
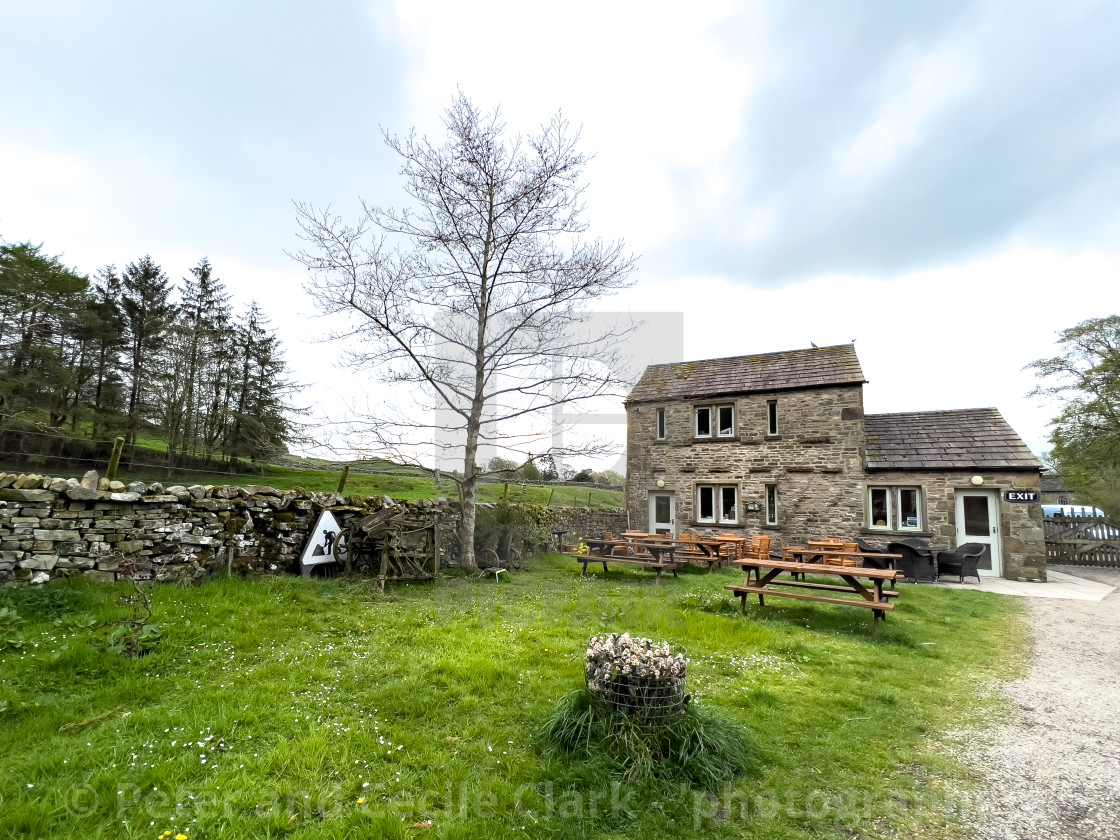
<point x="912" y="91"/>
<point x="654" y="87"/>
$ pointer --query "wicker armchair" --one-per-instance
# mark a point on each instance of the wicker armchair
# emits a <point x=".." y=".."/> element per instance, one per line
<point x="963" y="561"/>
<point x="917" y="560"/>
<point x="873" y="562"/>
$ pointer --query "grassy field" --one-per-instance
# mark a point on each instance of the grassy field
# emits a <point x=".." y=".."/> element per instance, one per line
<point x="281" y="707"/>
<point x="401" y="487"/>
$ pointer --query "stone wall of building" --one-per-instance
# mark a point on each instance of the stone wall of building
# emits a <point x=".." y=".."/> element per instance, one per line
<point x="52" y="527"/>
<point x="815" y="461"/>
<point x="1021" y="528"/>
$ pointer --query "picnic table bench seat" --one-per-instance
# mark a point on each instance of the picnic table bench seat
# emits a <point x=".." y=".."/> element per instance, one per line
<point x="744" y="591"/>
<point x="646" y="562"/>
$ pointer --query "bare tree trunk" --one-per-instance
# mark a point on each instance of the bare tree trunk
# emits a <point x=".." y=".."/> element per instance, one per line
<point x="467" y="560"/>
<point x="469" y="485"/>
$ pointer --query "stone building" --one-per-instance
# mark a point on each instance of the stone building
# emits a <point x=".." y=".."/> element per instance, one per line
<point x="779" y="444"/>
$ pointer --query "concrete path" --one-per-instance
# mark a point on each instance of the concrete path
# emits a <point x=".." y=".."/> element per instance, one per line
<point x="1054" y="774"/>
<point x="1072" y="583"/>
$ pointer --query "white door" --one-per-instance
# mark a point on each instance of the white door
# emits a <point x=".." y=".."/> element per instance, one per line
<point x="978" y="522"/>
<point x="662" y="513"/>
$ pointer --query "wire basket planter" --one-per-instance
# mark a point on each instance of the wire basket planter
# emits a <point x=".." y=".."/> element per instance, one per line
<point x="638" y="678"/>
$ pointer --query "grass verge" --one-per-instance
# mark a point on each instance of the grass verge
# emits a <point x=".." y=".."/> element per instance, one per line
<point x="281" y="707"/>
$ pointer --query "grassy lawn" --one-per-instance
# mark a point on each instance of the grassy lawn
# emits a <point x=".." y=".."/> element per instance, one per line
<point x="401" y="487"/>
<point x="319" y="709"/>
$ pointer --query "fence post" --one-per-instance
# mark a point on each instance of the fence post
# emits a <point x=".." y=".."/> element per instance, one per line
<point x="115" y="459"/>
<point x="435" y="547"/>
<point x="343" y="477"/>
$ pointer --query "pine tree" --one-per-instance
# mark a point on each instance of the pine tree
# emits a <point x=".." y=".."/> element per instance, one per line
<point x="147" y="312"/>
<point x="39" y="298"/>
<point x="196" y="338"/>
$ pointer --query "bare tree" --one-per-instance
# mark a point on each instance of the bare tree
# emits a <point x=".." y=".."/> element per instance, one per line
<point x="477" y="294"/>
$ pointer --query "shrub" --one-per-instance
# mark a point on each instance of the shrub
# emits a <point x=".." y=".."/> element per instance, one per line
<point x="523" y="527"/>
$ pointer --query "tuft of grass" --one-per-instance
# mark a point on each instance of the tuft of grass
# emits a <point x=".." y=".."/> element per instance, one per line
<point x="701" y="747"/>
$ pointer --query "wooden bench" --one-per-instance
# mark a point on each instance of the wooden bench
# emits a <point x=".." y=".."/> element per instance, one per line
<point x="872" y="597"/>
<point x="657" y="566"/>
<point x="655" y="555"/>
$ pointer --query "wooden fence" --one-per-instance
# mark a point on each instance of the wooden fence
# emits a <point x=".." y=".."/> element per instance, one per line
<point x="1082" y="541"/>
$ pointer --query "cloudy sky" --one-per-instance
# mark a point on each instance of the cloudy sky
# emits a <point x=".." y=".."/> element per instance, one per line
<point x="938" y="181"/>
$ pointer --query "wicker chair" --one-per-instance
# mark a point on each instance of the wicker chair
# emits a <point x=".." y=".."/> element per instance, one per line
<point x="873" y="562"/>
<point x="917" y="560"/>
<point x="963" y="561"/>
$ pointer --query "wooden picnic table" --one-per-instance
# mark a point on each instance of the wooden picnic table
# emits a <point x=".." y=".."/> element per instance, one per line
<point x="766" y="573"/>
<point x="808" y="554"/>
<point x="660" y="554"/>
<point x="708" y="546"/>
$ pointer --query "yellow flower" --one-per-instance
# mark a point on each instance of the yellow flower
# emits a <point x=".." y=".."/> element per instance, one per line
<point x="180" y="837"/>
<point x="361" y="800"/>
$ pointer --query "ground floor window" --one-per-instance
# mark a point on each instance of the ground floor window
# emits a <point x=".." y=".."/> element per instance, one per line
<point x="716" y="503"/>
<point x="771" y="504"/>
<point x="894" y="508"/>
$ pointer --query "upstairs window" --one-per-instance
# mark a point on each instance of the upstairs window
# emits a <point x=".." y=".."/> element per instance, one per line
<point x="725" y="416"/>
<point x="661" y="424"/>
<point x="703" y="422"/>
<point x="772" y="417"/>
<point x="720" y="416"/>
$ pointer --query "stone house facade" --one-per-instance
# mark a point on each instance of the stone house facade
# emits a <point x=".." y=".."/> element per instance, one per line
<point x="779" y="444"/>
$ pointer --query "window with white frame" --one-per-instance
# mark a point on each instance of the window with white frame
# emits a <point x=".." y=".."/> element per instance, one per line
<point x="721" y="417"/>
<point x="909" y="509"/>
<point x="725" y="420"/>
<point x="661" y="424"/>
<point x="771" y="504"/>
<point x="704" y="422"/>
<point x="879" y="507"/>
<point x="717" y="503"/>
<point x="772" y="418"/>
<point x="894" y="508"/>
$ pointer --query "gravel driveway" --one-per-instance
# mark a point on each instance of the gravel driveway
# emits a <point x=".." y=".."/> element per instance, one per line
<point x="1055" y="773"/>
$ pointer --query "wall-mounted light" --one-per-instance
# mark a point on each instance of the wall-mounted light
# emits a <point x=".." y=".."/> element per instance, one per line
<point x="660" y="482"/>
<point x="754" y="507"/>
<point x="977" y="479"/>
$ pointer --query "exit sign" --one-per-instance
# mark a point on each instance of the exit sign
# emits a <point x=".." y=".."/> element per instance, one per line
<point x="1021" y="496"/>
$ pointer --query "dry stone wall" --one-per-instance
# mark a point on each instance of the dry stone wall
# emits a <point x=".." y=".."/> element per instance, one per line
<point x="55" y="528"/>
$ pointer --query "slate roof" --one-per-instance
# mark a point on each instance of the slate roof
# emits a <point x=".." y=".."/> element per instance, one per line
<point x="808" y="368"/>
<point x="1052" y="483"/>
<point x="974" y="438"/>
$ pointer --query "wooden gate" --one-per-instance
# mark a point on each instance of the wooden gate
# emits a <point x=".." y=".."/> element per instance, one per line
<point x="1082" y="541"/>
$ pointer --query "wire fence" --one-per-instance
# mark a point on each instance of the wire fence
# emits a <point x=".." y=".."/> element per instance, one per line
<point x="57" y="450"/>
<point x="645" y="703"/>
